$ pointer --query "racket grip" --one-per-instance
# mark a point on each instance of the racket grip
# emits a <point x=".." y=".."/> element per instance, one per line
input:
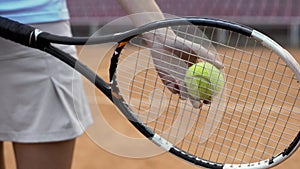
<point x="17" y="32"/>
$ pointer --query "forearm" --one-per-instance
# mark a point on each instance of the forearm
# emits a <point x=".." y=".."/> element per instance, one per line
<point x="153" y="13"/>
<point x="142" y="6"/>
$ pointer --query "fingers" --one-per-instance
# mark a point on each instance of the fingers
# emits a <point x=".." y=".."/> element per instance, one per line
<point x="213" y="59"/>
<point x="173" y="87"/>
<point x="218" y="64"/>
<point x="183" y="94"/>
<point x="179" y="87"/>
<point x="207" y="55"/>
<point x="173" y="57"/>
<point x="184" y="49"/>
<point x="169" y="81"/>
<point x="192" y="52"/>
<point x="196" y="103"/>
<point x="171" y="70"/>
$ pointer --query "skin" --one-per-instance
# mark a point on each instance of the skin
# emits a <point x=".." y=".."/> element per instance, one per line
<point x="155" y="14"/>
<point x="173" y="81"/>
<point x="59" y="155"/>
<point x="49" y="155"/>
<point x="44" y="155"/>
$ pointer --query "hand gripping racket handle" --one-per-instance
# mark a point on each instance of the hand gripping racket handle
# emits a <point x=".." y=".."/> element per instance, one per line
<point x="17" y="32"/>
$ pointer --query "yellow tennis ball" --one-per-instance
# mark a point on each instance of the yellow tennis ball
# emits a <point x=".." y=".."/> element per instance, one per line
<point x="204" y="81"/>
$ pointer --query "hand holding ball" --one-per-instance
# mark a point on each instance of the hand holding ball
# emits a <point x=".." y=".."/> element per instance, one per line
<point x="204" y="81"/>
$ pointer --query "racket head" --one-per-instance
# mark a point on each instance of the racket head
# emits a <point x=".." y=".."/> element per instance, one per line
<point x="252" y="123"/>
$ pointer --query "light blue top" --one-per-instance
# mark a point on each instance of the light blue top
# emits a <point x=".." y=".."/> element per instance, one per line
<point x="34" y="11"/>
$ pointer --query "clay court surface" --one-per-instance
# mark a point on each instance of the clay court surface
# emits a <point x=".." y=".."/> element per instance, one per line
<point x="89" y="155"/>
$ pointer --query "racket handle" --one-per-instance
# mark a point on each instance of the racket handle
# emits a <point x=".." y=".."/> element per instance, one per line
<point x="17" y="32"/>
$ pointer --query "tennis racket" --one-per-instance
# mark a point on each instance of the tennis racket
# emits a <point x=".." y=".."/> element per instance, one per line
<point x="254" y="122"/>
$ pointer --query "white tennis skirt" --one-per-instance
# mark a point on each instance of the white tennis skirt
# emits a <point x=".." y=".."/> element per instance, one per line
<point x="41" y="98"/>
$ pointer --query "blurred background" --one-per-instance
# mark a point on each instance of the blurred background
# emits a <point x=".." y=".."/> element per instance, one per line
<point x="279" y="19"/>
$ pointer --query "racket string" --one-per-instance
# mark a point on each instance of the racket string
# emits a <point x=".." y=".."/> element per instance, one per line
<point x="276" y="117"/>
<point x="260" y="99"/>
<point x="257" y="123"/>
<point x="238" y="98"/>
